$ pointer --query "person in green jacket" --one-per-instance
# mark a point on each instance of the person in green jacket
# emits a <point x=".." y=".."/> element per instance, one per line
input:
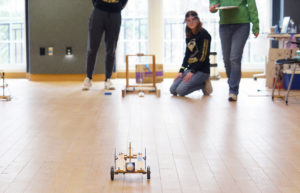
<point x="235" y="19"/>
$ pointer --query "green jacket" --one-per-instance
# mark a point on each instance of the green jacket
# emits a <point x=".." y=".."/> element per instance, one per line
<point x="246" y="13"/>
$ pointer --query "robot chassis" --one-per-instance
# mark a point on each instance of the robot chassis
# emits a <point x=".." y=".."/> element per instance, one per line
<point x="125" y="164"/>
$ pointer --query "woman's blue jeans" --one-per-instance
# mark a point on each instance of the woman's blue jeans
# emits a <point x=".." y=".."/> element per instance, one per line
<point x="184" y="88"/>
<point x="233" y="39"/>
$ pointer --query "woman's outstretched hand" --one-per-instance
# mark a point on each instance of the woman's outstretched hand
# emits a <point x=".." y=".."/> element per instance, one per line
<point x="188" y="77"/>
<point x="179" y="75"/>
<point x="212" y="8"/>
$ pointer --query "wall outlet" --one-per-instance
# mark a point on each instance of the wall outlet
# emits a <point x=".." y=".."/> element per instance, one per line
<point x="50" y="51"/>
<point x="42" y="51"/>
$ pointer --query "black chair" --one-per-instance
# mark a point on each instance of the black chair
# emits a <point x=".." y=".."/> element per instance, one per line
<point x="279" y="69"/>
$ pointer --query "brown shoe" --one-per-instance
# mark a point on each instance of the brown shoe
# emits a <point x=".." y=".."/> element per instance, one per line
<point x="207" y="90"/>
<point x="232" y="97"/>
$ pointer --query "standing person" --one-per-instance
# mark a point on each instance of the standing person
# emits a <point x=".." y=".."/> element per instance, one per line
<point x="105" y="18"/>
<point x="195" y="70"/>
<point x="234" y="32"/>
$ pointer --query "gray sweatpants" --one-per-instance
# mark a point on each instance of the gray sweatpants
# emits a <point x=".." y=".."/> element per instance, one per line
<point x="109" y="23"/>
<point x="184" y="88"/>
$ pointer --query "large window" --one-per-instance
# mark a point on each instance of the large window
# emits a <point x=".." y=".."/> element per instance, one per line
<point x="134" y="31"/>
<point x="135" y="36"/>
<point x="12" y="35"/>
<point x="174" y="33"/>
<point x="174" y="28"/>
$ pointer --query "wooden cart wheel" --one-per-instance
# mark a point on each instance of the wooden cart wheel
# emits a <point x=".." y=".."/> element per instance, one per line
<point x="158" y="93"/>
<point x="123" y="93"/>
<point x="112" y="173"/>
<point x="148" y="173"/>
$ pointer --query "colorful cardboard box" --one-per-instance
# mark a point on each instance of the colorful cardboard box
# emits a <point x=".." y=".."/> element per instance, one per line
<point x="143" y="73"/>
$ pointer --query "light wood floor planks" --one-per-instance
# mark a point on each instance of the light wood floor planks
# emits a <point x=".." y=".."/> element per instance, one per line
<point x="55" y="138"/>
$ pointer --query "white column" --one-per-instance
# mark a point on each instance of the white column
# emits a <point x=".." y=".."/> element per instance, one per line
<point x="156" y="29"/>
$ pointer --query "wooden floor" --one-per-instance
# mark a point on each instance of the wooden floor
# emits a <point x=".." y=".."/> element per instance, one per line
<point x="55" y="138"/>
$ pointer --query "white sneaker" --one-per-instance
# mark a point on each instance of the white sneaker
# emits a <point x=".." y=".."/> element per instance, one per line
<point x="232" y="97"/>
<point x="87" y="84"/>
<point x="109" y="85"/>
<point x="207" y="90"/>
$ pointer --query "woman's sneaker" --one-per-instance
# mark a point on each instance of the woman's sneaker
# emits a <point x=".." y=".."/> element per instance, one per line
<point x="207" y="90"/>
<point x="232" y="97"/>
<point x="109" y="85"/>
<point x="87" y="84"/>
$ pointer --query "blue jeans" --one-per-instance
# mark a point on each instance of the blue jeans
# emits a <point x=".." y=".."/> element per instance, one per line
<point x="233" y="39"/>
<point x="184" y="88"/>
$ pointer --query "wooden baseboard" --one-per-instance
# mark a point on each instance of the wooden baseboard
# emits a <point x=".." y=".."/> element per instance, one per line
<point x="244" y="74"/>
<point x="15" y="75"/>
<point x="63" y="77"/>
<point x="101" y="77"/>
<point x="173" y="74"/>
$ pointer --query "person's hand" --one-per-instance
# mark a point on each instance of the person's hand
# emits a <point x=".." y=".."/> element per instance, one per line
<point x="188" y="77"/>
<point x="256" y="35"/>
<point x="179" y="75"/>
<point x="212" y="8"/>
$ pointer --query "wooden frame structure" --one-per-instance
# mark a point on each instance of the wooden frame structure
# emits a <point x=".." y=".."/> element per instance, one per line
<point x="141" y="88"/>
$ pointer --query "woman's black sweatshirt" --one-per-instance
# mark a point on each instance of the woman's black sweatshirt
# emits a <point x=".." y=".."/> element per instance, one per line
<point x="110" y="5"/>
<point x="197" y="53"/>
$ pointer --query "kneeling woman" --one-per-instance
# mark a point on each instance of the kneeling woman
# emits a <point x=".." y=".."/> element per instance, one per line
<point x="194" y="72"/>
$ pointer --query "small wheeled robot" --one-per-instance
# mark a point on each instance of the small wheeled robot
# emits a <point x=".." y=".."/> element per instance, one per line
<point x="131" y="163"/>
<point x="4" y="86"/>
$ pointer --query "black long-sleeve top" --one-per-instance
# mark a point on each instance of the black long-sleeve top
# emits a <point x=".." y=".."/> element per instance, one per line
<point x="110" y="5"/>
<point x="197" y="53"/>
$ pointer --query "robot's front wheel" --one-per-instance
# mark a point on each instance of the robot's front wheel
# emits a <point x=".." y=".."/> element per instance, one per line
<point x="158" y="93"/>
<point x="112" y="173"/>
<point x="148" y="173"/>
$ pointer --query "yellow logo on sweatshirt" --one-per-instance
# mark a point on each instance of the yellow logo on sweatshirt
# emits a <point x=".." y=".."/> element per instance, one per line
<point x="192" y="60"/>
<point x="111" y="1"/>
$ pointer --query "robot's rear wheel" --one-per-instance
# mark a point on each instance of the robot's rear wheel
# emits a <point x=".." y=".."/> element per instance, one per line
<point x="148" y="173"/>
<point x="112" y="173"/>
